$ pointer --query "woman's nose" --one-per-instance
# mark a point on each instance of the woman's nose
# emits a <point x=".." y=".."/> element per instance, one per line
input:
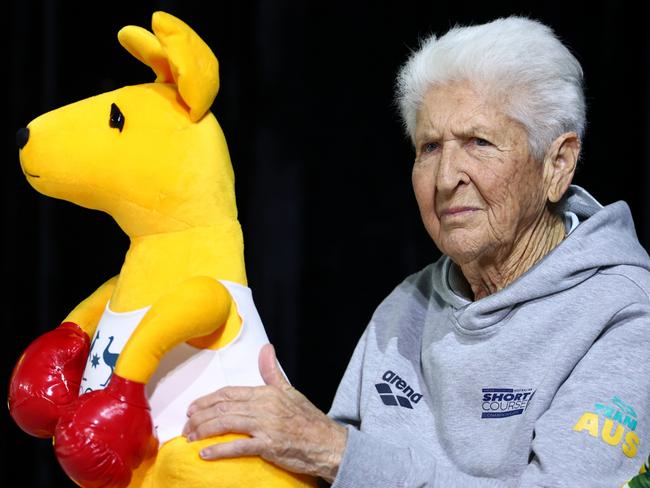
<point x="449" y="173"/>
<point x="22" y="136"/>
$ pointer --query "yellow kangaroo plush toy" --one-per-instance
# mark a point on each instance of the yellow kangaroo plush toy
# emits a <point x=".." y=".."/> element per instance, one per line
<point x="112" y="384"/>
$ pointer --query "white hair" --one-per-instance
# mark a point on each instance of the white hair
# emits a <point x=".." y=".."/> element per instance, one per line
<point x="517" y="61"/>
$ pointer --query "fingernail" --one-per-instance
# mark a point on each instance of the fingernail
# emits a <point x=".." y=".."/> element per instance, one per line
<point x="191" y="437"/>
<point x="191" y="410"/>
<point x="204" y="453"/>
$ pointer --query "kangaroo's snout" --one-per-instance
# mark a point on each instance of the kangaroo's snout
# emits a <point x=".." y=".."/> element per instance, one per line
<point x="22" y="136"/>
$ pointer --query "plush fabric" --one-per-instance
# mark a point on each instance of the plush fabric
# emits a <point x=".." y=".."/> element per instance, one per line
<point x="154" y="158"/>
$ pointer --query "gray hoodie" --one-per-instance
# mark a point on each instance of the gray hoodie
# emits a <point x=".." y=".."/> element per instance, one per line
<point x="544" y="383"/>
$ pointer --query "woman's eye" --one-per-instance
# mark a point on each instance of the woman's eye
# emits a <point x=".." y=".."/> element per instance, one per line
<point x="429" y="147"/>
<point x="482" y="142"/>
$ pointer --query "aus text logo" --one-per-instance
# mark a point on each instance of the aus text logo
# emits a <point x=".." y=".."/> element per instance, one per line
<point x="617" y="426"/>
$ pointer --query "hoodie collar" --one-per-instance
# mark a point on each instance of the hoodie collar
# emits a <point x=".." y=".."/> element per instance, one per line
<point x="605" y="237"/>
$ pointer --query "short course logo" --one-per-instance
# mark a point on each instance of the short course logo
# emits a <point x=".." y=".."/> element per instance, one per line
<point x="505" y="402"/>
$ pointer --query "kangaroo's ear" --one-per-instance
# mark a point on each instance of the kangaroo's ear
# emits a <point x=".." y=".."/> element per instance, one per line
<point x="177" y="54"/>
<point x="193" y="65"/>
<point x="146" y="48"/>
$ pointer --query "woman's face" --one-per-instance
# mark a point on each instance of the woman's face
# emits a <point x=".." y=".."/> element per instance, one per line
<point x="476" y="184"/>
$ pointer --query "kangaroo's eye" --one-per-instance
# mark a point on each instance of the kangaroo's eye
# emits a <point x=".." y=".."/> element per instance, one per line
<point x="116" y="121"/>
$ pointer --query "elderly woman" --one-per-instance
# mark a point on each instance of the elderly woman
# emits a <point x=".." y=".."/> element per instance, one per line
<point x="520" y="358"/>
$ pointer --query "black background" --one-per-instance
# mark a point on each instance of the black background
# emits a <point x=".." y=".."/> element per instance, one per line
<point x="322" y="167"/>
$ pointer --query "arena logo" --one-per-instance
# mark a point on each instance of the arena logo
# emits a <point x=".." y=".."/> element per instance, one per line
<point x="505" y="402"/>
<point x="407" y="397"/>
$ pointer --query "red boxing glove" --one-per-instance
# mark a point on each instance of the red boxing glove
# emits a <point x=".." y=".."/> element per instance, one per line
<point x="106" y="435"/>
<point x="45" y="381"/>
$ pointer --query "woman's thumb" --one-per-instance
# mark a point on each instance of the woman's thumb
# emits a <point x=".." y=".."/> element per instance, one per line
<point x="270" y="369"/>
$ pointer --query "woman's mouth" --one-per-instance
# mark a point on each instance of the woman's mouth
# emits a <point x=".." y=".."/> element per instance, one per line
<point x="457" y="211"/>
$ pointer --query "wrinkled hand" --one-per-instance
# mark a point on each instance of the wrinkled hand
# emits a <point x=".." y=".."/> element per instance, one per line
<point x="284" y="427"/>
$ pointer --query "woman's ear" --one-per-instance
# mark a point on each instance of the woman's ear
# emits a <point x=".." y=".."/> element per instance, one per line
<point x="560" y="165"/>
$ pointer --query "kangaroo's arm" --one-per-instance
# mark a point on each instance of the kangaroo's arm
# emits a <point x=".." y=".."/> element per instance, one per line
<point x="196" y="308"/>
<point x="45" y="382"/>
<point x="87" y="314"/>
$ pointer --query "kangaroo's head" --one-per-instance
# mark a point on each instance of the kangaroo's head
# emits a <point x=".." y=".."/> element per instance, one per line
<point x="151" y="155"/>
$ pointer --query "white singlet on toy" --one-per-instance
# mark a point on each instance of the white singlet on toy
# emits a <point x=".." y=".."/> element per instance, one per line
<point x="185" y="373"/>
